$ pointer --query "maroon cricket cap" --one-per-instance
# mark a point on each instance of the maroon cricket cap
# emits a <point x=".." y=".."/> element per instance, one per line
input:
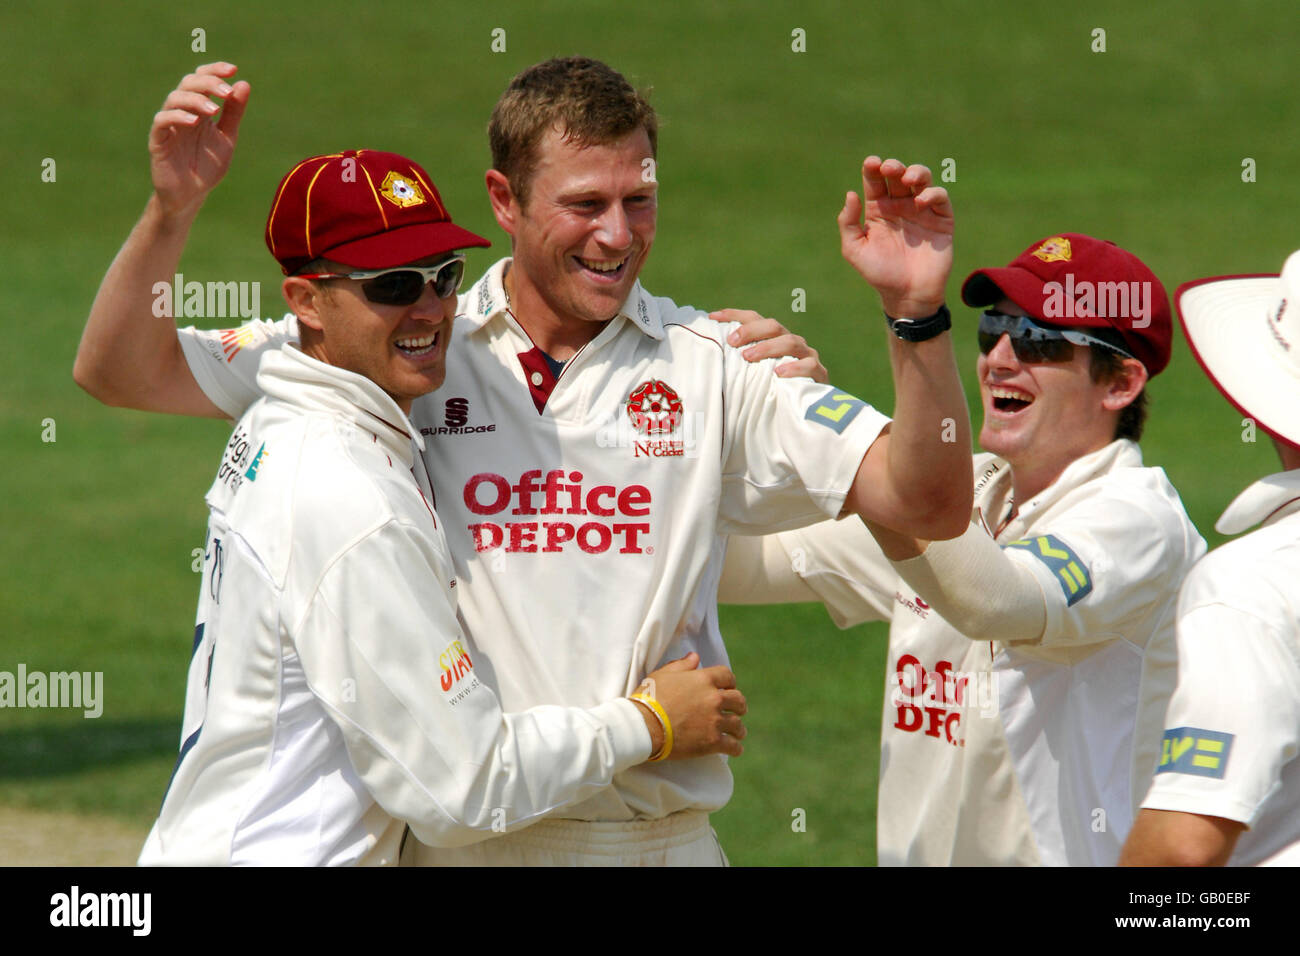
<point x="360" y="208"/>
<point x="1078" y="281"/>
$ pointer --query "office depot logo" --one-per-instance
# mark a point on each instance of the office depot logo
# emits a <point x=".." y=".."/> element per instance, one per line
<point x="560" y="497"/>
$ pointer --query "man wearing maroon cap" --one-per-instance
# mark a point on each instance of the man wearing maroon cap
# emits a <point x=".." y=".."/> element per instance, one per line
<point x="593" y="443"/>
<point x="1024" y="691"/>
<point x="333" y="699"/>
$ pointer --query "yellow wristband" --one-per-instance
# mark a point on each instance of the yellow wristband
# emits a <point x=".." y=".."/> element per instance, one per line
<point x="664" y="722"/>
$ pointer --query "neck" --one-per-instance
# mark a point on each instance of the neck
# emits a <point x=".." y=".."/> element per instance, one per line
<point x="558" y="335"/>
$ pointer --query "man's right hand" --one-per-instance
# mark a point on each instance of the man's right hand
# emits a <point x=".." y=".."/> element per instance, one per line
<point x="189" y="151"/>
<point x="702" y="704"/>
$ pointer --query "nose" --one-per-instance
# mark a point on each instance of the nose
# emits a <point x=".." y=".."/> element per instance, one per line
<point x="1003" y="354"/>
<point x="429" y="306"/>
<point x="612" y="228"/>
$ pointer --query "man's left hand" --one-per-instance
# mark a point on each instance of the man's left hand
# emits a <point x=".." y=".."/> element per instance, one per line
<point x="767" y="338"/>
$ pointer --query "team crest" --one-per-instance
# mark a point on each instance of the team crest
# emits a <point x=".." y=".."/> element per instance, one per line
<point x="401" y="190"/>
<point x="1056" y="249"/>
<point x="655" y="409"/>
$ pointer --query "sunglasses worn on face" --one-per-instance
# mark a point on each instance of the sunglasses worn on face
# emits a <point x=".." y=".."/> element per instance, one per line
<point x="405" y="284"/>
<point x="1033" y="342"/>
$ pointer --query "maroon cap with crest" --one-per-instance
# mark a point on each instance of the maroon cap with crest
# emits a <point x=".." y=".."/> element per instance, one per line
<point x="361" y="208"/>
<point x="1077" y="281"/>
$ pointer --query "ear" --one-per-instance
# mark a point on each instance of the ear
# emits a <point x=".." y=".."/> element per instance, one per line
<point x="1125" y="385"/>
<point x="302" y="296"/>
<point x="504" y="205"/>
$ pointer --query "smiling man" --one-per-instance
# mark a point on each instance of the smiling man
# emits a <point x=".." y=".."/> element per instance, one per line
<point x="333" y="698"/>
<point x="592" y="443"/>
<point x="1014" y="728"/>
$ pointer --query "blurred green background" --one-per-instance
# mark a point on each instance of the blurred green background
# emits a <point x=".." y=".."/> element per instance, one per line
<point x="1143" y="143"/>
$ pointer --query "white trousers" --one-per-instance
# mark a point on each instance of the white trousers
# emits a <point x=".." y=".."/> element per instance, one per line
<point x="680" y="839"/>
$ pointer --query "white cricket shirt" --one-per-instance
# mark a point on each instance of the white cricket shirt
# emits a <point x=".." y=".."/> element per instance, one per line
<point x="998" y="755"/>
<point x="585" y="514"/>
<point x="1232" y="731"/>
<point x="332" y="697"/>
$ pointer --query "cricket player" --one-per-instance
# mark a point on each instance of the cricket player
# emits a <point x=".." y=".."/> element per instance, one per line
<point x="1227" y="787"/>
<point x="333" y="698"/>
<point x="1013" y="728"/>
<point x="592" y="443"/>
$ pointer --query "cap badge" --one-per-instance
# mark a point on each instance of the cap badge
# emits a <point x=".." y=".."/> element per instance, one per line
<point x="401" y="190"/>
<point x="1056" y="249"/>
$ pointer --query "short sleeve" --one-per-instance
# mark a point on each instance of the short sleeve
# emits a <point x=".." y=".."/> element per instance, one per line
<point x="793" y="448"/>
<point x="1109" y="567"/>
<point x="1233" y="721"/>
<point x="224" y="362"/>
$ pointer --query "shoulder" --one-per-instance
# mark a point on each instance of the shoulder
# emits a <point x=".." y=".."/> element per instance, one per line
<point x="1255" y="573"/>
<point x="338" y="483"/>
<point x="1137" y="496"/>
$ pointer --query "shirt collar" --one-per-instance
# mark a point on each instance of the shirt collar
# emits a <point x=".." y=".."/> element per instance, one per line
<point x="298" y="379"/>
<point x="1120" y="453"/>
<point x="1268" y="500"/>
<point x="487" y="299"/>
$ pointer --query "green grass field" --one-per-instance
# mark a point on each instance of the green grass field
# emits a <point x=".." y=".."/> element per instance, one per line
<point x="1143" y="143"/>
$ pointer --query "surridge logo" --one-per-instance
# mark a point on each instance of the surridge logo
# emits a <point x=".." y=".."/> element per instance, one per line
<point x="455" y="420"/>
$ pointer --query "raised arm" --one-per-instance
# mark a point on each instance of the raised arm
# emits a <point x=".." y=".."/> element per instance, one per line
<point x="129" y="356"/>
<point x="916" y="478"/>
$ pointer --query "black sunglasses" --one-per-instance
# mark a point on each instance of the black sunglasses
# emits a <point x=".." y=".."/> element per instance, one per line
<point x="1033" y="342"/>
<point x="405" y="284"/>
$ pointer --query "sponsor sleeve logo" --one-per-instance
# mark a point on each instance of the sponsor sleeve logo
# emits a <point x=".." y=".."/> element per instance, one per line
<point x="1191" y="750"/>
<point x="251" y="474"/>
<point x="233" y="340"/>
<point x="835" y="410"/>
<point x="1070" y="571"/>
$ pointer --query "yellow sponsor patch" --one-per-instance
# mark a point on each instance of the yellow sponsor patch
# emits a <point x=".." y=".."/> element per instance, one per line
<point x="1191" y="750"/>
<point x="1070" y="571"/>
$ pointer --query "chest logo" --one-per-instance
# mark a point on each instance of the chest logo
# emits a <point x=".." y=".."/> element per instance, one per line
<point x="654" y="408"/>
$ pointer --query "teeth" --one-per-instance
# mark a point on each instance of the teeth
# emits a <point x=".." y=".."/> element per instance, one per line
<point x="416" y="343"/>
<point x="1010" y="393"/>
<point x="596" y="266"/>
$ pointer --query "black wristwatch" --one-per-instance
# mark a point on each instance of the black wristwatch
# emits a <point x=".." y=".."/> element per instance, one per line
<point x="918" y="330"/>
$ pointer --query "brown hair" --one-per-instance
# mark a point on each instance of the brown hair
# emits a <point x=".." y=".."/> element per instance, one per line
<point x="1103" y="365"/>
<point x="588" y="101"/>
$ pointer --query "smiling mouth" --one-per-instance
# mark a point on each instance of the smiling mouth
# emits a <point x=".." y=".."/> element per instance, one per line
<point x="605" y="269"/>
<point x="418" y="345"/>
<point x="1010" y="400"/>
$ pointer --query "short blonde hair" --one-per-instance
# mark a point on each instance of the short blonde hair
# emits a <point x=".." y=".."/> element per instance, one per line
<point x="591" y="103"/>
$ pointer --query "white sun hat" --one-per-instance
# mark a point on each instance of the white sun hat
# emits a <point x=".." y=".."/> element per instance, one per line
<point x="1245" y="332"/>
